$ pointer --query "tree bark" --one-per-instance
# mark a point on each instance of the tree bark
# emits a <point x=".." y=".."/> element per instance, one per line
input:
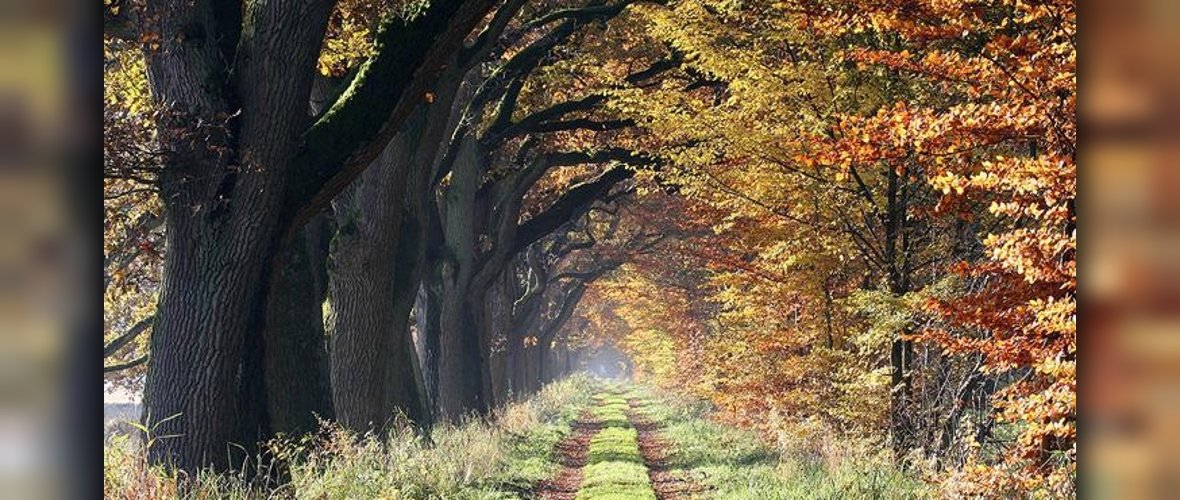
<point x="461" y="363"/>
<point x="500" y="321"/>
<point x="428" y="322"/>
<point x="544" y="369"/>
<point x="298" y="388"/>
<point x="901" y="355"/>
<point x="221" y="184"/>
<point x="375" y="261"/>
<point x="243" y="168"/>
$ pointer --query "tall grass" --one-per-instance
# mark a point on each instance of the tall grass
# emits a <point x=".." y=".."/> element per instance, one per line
<point x="791" y="462"/>
<point x="494" y="458"/>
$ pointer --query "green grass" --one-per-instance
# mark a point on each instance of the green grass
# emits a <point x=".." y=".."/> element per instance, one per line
<point x="615" y="468"/>
<point x="738" y="464"/>
<point x="615" y="480"/>
<point x="615" y="444"/>
<point x="610" y="410"/>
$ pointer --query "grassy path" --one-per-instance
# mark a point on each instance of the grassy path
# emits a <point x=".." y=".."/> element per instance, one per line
<point x="578" y="439"/>
<point x="615" y="452"/>
<point x="572" y="454"/>
<point x="632" y="444"/>
<point x="615" y="469"/>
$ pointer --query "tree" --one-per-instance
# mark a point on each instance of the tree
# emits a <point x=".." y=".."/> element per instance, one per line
<point x="491" y="163"/>
<point x="853" y="155"/>
<point x="378" y="253"/>
<point x="243" y="167"/>
<point x="555" y="274"/>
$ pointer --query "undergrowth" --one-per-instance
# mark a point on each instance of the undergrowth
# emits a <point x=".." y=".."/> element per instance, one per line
<point x="737" y="463"/>
<point x="501" y="457"/>
<point x="507" y="455"/>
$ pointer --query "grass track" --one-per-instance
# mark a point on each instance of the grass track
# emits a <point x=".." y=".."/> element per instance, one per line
<point x="577" y="439"/>
<point x="615" y="468"/>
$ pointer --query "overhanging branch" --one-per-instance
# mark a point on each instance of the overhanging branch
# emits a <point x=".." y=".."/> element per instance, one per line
<point x="572" y="204"/>
<point x="354" y="131"/>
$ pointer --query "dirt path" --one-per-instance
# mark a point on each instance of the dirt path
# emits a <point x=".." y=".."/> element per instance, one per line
<point x="656" y="455"/>
<point x="650" y="456"/>
<point x="572" y="453"/>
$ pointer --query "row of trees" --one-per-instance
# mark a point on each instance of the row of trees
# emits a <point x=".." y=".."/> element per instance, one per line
<point x="430" y="188"/>
<point x="852" y="214"/>
<point x="879" y="236"/>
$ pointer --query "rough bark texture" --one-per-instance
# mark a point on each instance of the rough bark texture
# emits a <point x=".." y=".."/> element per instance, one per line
<point x="222" y="189"/>
<point x="237" y="178"/>
<point x="372" y="364"/>
<point x="461" y="364"/>
<point x="500" y="318"/>
<point x="298" y="389"/>
<point x="428" y="308"/>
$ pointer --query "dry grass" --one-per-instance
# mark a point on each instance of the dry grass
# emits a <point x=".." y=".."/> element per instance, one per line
<point x="478" y="459"/>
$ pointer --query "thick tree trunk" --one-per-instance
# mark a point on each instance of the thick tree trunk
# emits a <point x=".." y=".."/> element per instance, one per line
<point x="213" y="299"/>
<point x="500" y="301"/>
<point x="233" y="83"/>
<point x="461" y="364"/>
<point x="544" y="368"/>
<point x="532" y="374"/>
<point x="298" y="389"/>
<point x="517" y="365"/>
<point x="497" y="368"/>
<point x="372" y="359"/>
<point x="567" y="364"/>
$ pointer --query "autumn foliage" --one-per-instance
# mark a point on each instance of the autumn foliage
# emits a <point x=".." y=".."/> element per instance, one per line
<point x="854" y="218"/>
<point x="883" y="200"/>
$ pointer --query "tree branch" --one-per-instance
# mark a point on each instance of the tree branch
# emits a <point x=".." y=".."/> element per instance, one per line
<point x="123" y="366"/>
<point x="354" y="131"/>
<point x="113" y="346"/>
<point x="572" y="298"/>
<point x="572" y="204"/>
<point x="487" y="38"/>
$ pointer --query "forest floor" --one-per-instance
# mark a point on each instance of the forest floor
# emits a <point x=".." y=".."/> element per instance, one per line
<point x="578" y="439"/>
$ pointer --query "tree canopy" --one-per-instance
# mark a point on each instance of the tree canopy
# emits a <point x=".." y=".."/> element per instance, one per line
<point x="851" y="218"/>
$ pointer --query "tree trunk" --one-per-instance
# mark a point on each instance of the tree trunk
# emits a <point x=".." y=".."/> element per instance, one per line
<point x="901" y="356"/>
<point x="212" y="301"/>
<point x="532" y="376"/>
<point x="238" y="174"/>
<point x="500" y="301"/>
<point x="461" y="364"/>
<point x="372" y="359"/>
<point x="517" y="364"/>
<point x="428" y="316"/>
<point x="543" y="363"/>
<point x="296" y="359"/>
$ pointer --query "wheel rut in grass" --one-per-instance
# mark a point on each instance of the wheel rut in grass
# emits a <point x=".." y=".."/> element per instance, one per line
<point x="572" y="453"/>
<point x="615" y="469"/>
<point x="657" y="455"/>
<point x="601" y="458"/>
<point x="615" y="452"/>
